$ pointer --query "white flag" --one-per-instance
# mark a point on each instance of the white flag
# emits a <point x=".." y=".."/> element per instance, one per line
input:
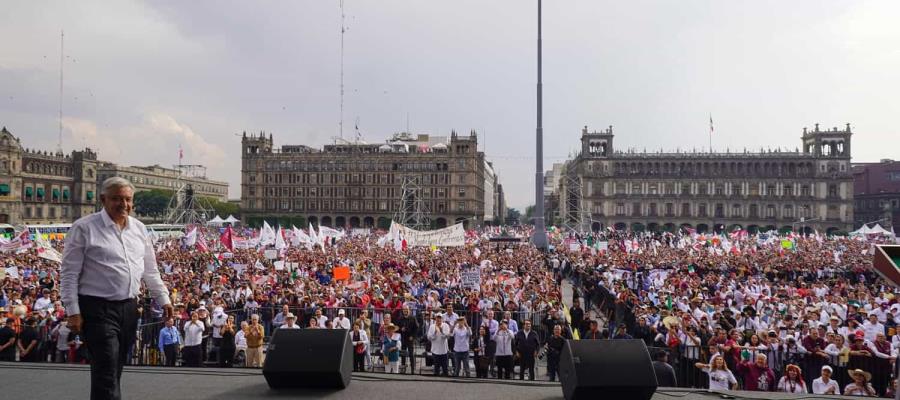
<point x="191" y="237"/>
<point x="279" y="240"/>
<point x="266" y="235"/>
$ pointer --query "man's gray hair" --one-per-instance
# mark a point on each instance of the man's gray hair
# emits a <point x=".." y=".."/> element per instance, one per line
<point x="114" y="183"/>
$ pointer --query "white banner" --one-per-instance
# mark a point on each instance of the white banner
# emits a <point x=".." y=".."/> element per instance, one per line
<point x="271" y="254"/>
<point x="451" y="236"/>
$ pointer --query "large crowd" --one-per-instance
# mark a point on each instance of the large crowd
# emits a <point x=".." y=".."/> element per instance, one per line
<point x="757" y="312"/>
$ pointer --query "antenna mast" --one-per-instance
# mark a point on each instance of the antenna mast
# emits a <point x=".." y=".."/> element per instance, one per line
<point x="62" y="42"/>
<point x="343" y="29"/>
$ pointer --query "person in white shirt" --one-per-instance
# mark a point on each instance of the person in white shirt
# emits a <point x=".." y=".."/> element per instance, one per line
<point x="341" y="322"/>
<point x="193" y="338"/>
<point x="792" y="381"/>
<point x="320" y="319"/>
<point x="240" y="342"/>
<point x="61" y="332"/>
<point x="360" y="340"/>
<point x="462" y="335"/>
<point x="872" y="327"/>
<point x="824" y="384"/>
<point x="290" y="322"/>
<point x="437" y="334"/>
<point x="107" y="255"/>
<point x="44" y="302"/>
<point x="720" y="378"/>
<point x="504" y="351"/>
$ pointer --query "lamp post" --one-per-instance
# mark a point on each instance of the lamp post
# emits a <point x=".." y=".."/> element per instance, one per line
<point x="539" y="239"/>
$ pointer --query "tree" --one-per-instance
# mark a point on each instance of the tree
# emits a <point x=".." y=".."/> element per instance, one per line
<point x="220" y="208"/>
<point x="152" y="203"/>
<point x="513" y="216"/>
<point x="529" y="212"/>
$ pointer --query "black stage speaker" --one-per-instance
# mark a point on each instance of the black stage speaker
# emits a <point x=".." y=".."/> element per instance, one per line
<point x="606" y="369"/>
<point x="309" y="358"/>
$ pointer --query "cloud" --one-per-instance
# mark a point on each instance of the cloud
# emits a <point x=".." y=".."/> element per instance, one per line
<point x="154" y="141"/>
<point x="85" y="133"/>
<point x="197" y="150"/>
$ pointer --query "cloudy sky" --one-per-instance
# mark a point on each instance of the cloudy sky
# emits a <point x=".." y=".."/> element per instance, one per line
<point x="143" y="78"/>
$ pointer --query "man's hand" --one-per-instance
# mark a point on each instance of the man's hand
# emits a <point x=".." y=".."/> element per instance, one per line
<point x="168" y="311"/>
<point x="74" y="323"/>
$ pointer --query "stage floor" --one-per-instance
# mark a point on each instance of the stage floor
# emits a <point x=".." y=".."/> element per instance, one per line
<point x="61" y="381"/>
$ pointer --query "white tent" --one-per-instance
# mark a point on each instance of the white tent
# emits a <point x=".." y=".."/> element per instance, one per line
<point x="877" y="229"/>
<point x="231" y="219"/>
<point x="216" y="221"/>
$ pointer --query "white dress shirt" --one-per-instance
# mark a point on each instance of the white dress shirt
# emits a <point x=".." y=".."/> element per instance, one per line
<point x="193" y="333"/>
<point x="438" y="338"/>
<point x="103" y="261"/>
<point x="341" y="322"/>
<point x="820" y="387"/>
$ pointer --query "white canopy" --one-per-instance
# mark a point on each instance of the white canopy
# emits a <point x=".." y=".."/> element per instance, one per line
<point x="216" y="221"/>
<point x="877" y="229"/>
<point x="231" y="219"/>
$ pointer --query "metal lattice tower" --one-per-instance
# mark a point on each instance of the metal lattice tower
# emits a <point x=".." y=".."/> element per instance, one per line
<point x="185" y="208"/>
<point x="575" y="214"/>
<point x="412" y="212"/>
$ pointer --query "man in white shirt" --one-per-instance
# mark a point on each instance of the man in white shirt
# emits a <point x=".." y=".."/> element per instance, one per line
<point x="290" y="322"/>
<point x="107" y="255"/>
<point x="437" y="334"/>
<point x="872" y="327"/>
<point x="824" y="384"/>
<point x="193" y="338"/>
<point x="321" y="319"/>
<point x="341" y="322"/>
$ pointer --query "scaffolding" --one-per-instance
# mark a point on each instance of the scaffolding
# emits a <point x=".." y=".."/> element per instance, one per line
<point x="185" y="208"/>
<point x="412" y="211"/>
<point x="575" y="216"/>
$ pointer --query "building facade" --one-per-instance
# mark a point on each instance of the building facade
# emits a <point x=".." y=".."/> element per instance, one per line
<point x="39" y="187"/>
<point x="157" y="177"/>
<point x="809" y="189"/>
<point x="361" y="185"/>
<point x="876" y="193"/>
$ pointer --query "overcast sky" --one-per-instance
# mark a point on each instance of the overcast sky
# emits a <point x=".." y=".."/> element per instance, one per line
<point x="143" y="78"/>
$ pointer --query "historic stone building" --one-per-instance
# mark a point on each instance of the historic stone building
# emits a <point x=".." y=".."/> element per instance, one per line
<point x="876" y="194"/>
<point x="39" y="187"/>
<point x="157" y="177"/>
<point x="361" y="185"/>
<point x="805" y="189"/>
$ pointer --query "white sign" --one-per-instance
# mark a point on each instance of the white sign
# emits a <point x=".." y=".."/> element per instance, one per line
<point x="574" y="246"/>
<point x="471" y="279"/>
<point x="227" y="255"/>
<point x="271" y="254"/>
<point x="279" y="265"/>
<point x="603" y="246"/>
<point x="451" y="236"/>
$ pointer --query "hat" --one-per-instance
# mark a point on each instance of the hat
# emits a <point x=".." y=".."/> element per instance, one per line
<point x="390" y="327"/>
<point x="290" y="316"/>
<point x="824" y="367"/>
<point x="793" y="367"/>
<point x="834" y="318"/>
<point x="340" y="312"/>
<point x="854" y="372"/>
<point x="860" y="334"/>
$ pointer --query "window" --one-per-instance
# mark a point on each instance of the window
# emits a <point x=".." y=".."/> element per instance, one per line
<point x="832" y="191"/>
<point x="28" y="211"/>
<point x="894" y="176"/>
<point x="620" y="188"/>
<point x="620" y="209"/>
<point x="720" y="190"/>
<point x="788" y="190"/>
<point x="770" y="211"/>
<point x="736" y="189"/>
<point x="770" y="190"/>
<point x="52" y="212"/>
<point x="701" y="210"/>
<point x="462" y="192"/>
<point x="788" y="211"/>
<point x="685" y="209"/>
<point x="39" y="212"/>
<point x="65" y="212"/>
<point x="670" y="210"/>
<point x="720" y="210"/>
<point x="736" y="211"/>
<point x="652" y="212"/>
<point x="636" y="209"/>
<point x="804" y="191"/>
<point x="461" y="206"/>
<point x="702" y="190"/>
<point x="754" y="211"/>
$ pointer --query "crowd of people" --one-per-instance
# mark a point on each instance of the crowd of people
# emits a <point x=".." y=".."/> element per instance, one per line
<point x="791" y="313"/>
<point x="757" y="312"/>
